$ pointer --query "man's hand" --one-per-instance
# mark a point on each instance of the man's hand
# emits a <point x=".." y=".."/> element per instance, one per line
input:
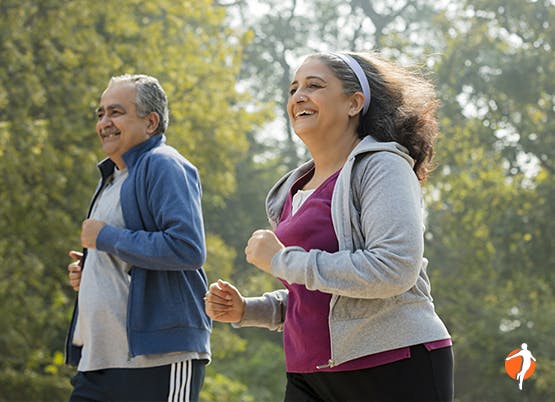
<point x="89" y="232"/>
<point x="74" y="270"/>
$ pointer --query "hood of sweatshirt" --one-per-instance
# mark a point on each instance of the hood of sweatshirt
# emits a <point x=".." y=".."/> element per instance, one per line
<point x="277" y="194"/>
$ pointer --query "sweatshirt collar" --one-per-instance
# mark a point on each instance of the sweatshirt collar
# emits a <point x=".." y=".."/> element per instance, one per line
<point x="370" y="144"/>
<point x="279" y="191"/>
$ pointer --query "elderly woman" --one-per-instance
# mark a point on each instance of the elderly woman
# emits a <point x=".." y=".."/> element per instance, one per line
<point x="347" y="241"/>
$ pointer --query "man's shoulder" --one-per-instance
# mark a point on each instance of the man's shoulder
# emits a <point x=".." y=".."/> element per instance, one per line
<point x="166" y="155"/>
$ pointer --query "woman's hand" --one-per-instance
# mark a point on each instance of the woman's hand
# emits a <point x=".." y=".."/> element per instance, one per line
<point x="224" y="303"/>
<point x="261" y="247"/>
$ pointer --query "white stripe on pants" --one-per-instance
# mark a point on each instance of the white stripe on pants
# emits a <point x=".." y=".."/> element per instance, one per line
<point x="180" y="381"/>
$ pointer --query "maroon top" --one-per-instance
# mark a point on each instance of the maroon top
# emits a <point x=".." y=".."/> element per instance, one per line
<point x="306" y="335"/>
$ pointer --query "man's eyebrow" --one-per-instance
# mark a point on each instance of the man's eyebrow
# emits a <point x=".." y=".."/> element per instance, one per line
<point x="110" y="107"/>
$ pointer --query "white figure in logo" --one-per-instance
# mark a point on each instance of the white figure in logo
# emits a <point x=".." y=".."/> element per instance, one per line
<point x="526" y="363"/>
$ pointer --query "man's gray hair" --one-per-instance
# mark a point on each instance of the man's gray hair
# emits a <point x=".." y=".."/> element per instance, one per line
<point x="150" y="97"/>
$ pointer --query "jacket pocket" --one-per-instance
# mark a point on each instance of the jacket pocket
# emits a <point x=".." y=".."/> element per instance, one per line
<point x="165" y="299"/>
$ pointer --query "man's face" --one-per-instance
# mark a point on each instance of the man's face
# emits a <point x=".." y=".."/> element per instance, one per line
<point x="118" y="125"/>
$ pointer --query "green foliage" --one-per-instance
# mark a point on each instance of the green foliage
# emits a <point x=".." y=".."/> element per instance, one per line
<point x="491" y="202"/>
<point x="259" y="365"/>
<point x="56" y="58"/>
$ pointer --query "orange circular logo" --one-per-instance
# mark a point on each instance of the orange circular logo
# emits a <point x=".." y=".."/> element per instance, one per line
<point x="515" y="364"/>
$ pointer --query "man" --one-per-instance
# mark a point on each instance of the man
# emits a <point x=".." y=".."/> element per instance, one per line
<point x="139" y="331"/>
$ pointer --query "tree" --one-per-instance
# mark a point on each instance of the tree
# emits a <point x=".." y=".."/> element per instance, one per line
<point x="494" y="185"/>
<point x="494" y="190"/>
<point x="56" y="57"/>
<point x="490" y="202"/>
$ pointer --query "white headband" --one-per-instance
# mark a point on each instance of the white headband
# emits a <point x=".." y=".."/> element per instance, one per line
<point x="361" y="77"/>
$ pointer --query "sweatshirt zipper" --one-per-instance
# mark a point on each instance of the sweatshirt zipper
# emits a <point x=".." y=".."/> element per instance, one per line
<point x="331" y="363"/>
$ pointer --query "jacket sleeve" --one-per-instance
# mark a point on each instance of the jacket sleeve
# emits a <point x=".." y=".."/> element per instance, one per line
<point x="168" y="207"/>
<point x="266" y="311"/>
<point x="389" y="223"/>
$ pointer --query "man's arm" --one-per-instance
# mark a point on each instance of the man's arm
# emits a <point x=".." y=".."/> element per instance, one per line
<point x="176" y="240"/>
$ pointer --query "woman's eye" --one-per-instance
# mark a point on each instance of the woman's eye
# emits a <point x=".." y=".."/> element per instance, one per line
<point x="292" y="91"/>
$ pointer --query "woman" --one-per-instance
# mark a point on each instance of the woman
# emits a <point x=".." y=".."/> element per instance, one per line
<point x="347" y="241"/>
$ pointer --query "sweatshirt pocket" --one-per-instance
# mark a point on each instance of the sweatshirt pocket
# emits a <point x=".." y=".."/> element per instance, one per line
<point x="347" y="308"/>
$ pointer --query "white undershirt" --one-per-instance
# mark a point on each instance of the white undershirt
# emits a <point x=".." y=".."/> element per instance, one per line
<point x="299" y="198"/>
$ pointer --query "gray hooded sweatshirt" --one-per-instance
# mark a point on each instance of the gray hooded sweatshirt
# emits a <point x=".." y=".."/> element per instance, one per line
<point x="380" y="290"/>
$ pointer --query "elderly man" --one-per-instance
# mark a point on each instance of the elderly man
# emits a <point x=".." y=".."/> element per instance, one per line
<point x="139" y="331"/>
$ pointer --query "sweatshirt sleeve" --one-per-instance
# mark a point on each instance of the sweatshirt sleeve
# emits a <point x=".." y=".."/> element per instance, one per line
<point x="266" y="311"/>
<point x="389" y="220"/>
<point x="168" y="205"/>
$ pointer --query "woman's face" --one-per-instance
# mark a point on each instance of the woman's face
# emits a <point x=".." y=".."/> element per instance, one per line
<point x="317" y="103"/>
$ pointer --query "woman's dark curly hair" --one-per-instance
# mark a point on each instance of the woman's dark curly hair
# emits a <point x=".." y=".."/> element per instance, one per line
<point x="403" y="105"/>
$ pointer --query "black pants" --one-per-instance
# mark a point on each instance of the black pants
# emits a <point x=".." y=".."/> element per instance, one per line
<point x="425" y="377"/>
<point x="179" y="382"/>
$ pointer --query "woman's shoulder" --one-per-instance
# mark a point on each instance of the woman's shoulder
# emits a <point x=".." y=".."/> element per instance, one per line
<point x="382" y="169"/>
<point x="382" y="160"/>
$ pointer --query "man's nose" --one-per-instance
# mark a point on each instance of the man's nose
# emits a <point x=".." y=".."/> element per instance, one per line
<point x="103" y="121"/>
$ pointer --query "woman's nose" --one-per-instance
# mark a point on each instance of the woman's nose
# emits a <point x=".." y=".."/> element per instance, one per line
<point x="299" y="96"/>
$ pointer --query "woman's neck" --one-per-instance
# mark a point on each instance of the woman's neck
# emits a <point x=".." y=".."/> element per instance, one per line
<point x="329" y="158"/>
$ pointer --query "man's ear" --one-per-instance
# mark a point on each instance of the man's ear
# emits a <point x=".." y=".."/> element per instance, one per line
<point x="153" y="120"/>
<point x="357" y="103"/>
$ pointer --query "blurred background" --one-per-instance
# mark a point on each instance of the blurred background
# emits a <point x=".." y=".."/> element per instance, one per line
<point x="226" y="66"/>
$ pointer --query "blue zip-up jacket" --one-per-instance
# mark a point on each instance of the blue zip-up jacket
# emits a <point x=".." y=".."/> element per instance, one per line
<point x="164" y="243"/>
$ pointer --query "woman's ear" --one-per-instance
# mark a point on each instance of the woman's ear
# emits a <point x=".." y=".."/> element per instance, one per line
<point x="153" y="121"/>
<point x="357" y="103"/>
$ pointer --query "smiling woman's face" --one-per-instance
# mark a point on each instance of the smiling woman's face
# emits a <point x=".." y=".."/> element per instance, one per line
<point x="317" y="101"/>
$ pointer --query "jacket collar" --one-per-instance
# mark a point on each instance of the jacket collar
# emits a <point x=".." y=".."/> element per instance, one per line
<point x="107" y="166"/>
<point x="131" y="156"/>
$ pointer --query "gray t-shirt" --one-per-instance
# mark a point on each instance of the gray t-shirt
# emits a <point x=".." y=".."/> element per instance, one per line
<point x="103" y="294"/>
